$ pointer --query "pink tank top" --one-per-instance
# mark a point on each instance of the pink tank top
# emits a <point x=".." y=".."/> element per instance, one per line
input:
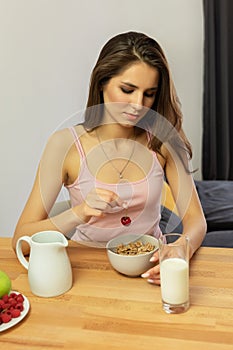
<point x="143" y="198"/>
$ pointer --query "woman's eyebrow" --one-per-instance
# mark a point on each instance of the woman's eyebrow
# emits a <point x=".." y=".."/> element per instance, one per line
<point x="136" y="87"/>
<point x="129" y="84"/>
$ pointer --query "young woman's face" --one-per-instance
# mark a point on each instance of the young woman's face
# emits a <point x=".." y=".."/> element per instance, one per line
<point x="129" y="95"/>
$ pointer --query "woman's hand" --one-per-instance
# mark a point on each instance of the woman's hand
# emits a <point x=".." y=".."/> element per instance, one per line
<point x="97" y="203"/>
<point x="153" y="274"/>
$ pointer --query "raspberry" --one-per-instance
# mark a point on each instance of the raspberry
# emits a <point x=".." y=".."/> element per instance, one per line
<point x="19" y="306"/>
<point x="5" y="306"/>
<point x="13" y="295"/>
<point x="5" y="298"/>
<point x="19" y="298"/>
<point x="12" y="301"/>
<point x="5" y="317"/>
<point x="15" y="313"/>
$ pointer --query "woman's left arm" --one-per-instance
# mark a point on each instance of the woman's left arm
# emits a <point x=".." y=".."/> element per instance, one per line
<point x="184" y="191"/>
<point x="188" y="205"/>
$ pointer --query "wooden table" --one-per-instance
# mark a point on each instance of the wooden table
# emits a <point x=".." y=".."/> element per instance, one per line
<point x="106" y="310"/>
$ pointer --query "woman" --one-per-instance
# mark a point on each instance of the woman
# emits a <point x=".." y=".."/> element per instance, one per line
<point x="114" y="163"/>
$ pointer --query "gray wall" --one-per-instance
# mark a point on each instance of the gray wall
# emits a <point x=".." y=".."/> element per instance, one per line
<point x="48" y="48"/>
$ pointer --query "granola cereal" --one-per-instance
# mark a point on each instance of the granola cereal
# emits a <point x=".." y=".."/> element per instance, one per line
<point x="134" y="248"/>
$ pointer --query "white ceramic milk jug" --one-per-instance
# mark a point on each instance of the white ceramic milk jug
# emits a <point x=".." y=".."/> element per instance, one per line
<point x="49" y="268"/>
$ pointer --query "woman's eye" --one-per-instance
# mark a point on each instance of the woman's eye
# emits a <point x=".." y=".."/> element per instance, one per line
<point x="126" y="91"/>
<point x="150" y="95"/>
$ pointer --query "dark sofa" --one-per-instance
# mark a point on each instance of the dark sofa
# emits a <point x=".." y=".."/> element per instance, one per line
<point x="217" y="202"/>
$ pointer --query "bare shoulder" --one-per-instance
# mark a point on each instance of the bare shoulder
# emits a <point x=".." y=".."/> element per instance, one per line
<point x="71" y="161"/>
<point x="60" y="153"/>
<point x="61" y="139"/>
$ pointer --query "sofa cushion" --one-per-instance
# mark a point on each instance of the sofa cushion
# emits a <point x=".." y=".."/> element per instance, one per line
<point x="216" y="197"/>
<point x="169" y="221"/>
<point x="223" y="239"/>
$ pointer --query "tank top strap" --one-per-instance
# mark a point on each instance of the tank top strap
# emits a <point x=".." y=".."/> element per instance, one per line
<point x="77" y="142"/>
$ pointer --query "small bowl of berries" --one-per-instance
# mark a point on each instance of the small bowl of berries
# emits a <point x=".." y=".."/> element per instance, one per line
<point x="13" y="308"/>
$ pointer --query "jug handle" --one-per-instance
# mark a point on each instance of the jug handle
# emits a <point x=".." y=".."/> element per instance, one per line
<point x="19" y="252"/>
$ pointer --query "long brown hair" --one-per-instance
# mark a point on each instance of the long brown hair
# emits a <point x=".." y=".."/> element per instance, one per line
<point x="117" y="55"/>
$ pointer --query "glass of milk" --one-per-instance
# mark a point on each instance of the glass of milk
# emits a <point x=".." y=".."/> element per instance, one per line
<point x="174" y="272"/>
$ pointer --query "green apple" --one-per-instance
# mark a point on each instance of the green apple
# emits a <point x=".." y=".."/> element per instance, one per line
<point x="5" y="284"/>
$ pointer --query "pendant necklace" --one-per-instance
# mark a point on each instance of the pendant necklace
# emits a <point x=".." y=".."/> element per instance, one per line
<point x="125" y="220"/>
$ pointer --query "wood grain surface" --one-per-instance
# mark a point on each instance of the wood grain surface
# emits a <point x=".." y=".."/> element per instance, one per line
<point x="106" y="310"/>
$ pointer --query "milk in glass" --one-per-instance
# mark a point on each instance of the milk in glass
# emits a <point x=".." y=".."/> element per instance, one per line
<point x="174" y="280"/>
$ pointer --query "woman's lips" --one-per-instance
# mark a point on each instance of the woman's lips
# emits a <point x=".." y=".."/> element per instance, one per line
<point x="131" y="116"/>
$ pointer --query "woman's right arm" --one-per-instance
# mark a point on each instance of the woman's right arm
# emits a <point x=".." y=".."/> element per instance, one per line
<point x="48" y="182"/>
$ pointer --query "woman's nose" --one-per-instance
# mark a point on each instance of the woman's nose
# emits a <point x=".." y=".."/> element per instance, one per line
<point x="137" y="101"/>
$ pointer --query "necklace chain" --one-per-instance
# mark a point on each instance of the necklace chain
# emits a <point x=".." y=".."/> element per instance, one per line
<point x="120" y="172"/>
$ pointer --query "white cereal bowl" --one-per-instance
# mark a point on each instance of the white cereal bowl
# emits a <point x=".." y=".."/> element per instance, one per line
<point x="131" y="265"/>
